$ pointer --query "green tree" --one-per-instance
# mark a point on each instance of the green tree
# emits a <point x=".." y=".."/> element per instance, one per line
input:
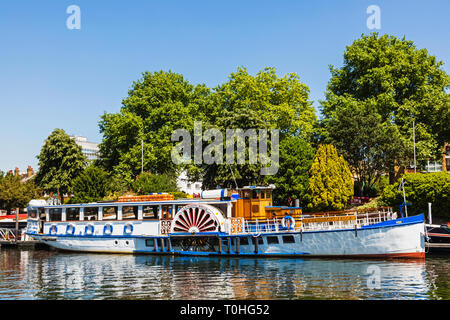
<point x="152" y="183"/>
<point x="330" y="183"/>
<point x="263" y="101"/>
<point x="399" y="84"/>
<point x="157" y="104"/>
<point x="291" y="180"/>
<point x="366" y="141"/>
<point x="420" y="189"/>
<point x="60" y="161"/>
<point x="91" y="185"/>
<point x="16" y="194"/>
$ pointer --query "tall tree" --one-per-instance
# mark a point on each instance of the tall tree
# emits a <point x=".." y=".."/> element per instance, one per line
<point x="399" y="84"/>
<point x="157" y="104"/>
<point x="14" y="193"/>
<point x="91" y="185"/>
<point x="264" y="101"/>
<point x="60" y="161"/>
<point x="292" y="178"/>
<point x="330" y="183"/>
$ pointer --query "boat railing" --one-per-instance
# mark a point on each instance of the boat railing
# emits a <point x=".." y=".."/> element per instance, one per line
<point x="309" y="223"/>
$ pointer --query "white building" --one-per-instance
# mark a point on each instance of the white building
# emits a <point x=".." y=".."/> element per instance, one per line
<point x="89" y="149"/>
<point x="188" y="187"/>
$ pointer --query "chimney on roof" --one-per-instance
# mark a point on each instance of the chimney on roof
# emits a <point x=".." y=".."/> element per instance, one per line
<point x="16" y="171"/>
<point x="29" y="171"/>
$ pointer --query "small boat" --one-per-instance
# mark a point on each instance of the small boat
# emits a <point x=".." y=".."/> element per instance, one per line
<point x="438" y="233"/>
<point x="242" y="222"/>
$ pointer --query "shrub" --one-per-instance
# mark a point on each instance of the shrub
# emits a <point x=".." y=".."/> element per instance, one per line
<point x="421" y="188"/>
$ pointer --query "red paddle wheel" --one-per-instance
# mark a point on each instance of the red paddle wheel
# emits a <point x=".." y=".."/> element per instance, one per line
<point x="195" y="218"/>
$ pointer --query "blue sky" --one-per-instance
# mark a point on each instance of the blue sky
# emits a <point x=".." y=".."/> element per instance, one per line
<point x="52" y="77"/>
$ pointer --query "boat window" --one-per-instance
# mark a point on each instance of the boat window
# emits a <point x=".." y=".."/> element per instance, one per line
<point x="268" y="194"/>
<point x="55" y="214"/>
<point x="246" y="194"/>
<point x="129" y="212"/>
<point x="32" y="213"/>
<point x="150" y="212"/>
<point x="260" y="240"/>
<point x="150" y="242"/>
<point x="109" y="213"/>
<point x="72" y="214"/>
<point x="255" y="194"/>
<point x="243" y="241"/>
<point x="272" y="239"/>
<point x="262" y="194"/>
<point x="288" y="239"/>
<point x="41" y="213"/>
<point x="166" y="212"/>
<point x="91" y="213"/>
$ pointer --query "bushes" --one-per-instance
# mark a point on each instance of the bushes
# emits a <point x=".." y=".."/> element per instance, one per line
<point x="420" y="189"/>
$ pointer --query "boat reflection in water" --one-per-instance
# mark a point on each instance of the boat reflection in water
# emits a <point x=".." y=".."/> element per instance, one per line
<point x="55" y="275"/>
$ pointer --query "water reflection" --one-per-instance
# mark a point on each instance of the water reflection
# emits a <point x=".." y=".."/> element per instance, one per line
<point x="42" y="274"/>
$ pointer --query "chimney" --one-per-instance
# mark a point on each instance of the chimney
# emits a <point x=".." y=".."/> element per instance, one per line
<point x="16" y="171"/>
<point x="29" y="171"/>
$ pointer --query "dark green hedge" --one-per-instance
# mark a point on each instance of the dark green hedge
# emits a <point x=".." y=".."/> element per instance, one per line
<point x="421" y="188"/>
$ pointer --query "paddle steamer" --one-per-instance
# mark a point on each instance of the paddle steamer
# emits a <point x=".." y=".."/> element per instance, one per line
<point x="223" y="222"/>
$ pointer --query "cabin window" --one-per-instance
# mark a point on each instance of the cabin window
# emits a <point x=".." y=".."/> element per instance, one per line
<point x="110" y="213"/>
<point x="260" y="240"/>
<point x="288" y="239"/>
<point x="272" y="240"/>
<point x="246" y="194"/>
<point x="72" y="214"/>
<point x="243" y="241"/>
<point x="255" y="194"/>
<point x="32" y="213"/>
<point x="55" y="214"/>
<point x="166" y="212"/>
<point x="150" y="212"/>
<point x="41" y="213"/>
<point x="91" y="213"/>
<point x="268" y="194"/>
<point x="262" y="194"/>
<point x="150" y="242"/>
<point x="130" y="212"/>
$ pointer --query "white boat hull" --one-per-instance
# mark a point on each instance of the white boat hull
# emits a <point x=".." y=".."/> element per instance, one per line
<point x="395" y="238"/>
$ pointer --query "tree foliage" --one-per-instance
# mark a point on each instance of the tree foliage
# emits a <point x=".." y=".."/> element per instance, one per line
<point x="420" y="189"/>
<point x="386" y="83"/>
<point x="16" y="194"/>
<point x="60" y="161"/>
<point x="157" y="104"/>
<point x="264" y="101"/>
<point x="330" y="183"/>
<point x="91" y="185"/>
<point x="152" y="183"/>
<point x="291" y="180"/>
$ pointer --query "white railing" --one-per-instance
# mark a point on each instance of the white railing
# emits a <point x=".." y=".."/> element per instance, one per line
<point x="274" y="225"/>
<point x="7" y="234"/>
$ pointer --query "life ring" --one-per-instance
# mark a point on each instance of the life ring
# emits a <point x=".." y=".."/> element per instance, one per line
<point x="89" y="229"/>
<point x="291" y="224"/>
<point x="128" y="228"/>
<point x="70" y="229"/>
<point x="53" y="229"/>
<point x="108" y="229"/>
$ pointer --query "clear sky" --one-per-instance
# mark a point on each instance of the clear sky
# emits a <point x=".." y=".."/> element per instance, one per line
<point x="54" y="77"/>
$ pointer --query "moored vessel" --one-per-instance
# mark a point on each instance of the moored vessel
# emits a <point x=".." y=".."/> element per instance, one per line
<point x="243" y="222"/>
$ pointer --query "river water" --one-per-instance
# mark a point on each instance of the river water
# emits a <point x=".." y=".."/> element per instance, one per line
<point x="49" y="275"/>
